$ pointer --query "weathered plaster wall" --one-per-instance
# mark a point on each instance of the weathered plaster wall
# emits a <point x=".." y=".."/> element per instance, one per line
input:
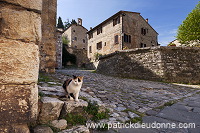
<point x="48" y="43"/>
<point x="171" y="64"/>
<point x="20" y="34"/>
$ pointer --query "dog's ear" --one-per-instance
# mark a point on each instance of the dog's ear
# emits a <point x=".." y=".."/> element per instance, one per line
<point x="74" y="77"/>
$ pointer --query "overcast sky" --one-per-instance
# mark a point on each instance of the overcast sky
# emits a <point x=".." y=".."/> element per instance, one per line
<point x="164" y="15"/>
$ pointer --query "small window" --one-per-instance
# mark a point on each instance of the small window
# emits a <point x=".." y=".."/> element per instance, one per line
<point x="90" y="49"/>
<point x="116" y="39"/>
<point x="99" y="30"/>
<point x="90" y="35"/>
<point x="75" y="38"/>
<point x="83" y="48"/>
<point x="73" y="30"/>
<point x="83" y="40"/>
<point x="75" y="46"/>
<point x="116" y="21"/>
<point x="142" y="45"/>
<point x="144" y="31"/>
<point x="127" y="38"/>
<point x="99" y="45"/>
<point x="105" y="44"/>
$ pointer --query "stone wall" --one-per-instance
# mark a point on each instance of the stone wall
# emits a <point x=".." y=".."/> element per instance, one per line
<point x="77" y="36"/>
<point x="81" y="56"/>
<point x="20" y="34"/>
<point x="48" y="43"/>
<point x="59" y="47"/>
<point x="107" y="38"/>
<point x="170" y="64"/>
<point x="132" y="25"/>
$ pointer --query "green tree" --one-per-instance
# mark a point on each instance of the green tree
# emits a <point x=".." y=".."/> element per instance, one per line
<point x="73" y="21"/>
<point x="60" y="23"/>
<point x="65" y="40"/>
<point x="189" y="30"/>
<point x="67" y="24"/>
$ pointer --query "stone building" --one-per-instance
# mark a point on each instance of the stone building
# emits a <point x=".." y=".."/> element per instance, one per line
<point x="59" y="47"/>
<point x="77" y="35"/>
<point x="123" y="30"/>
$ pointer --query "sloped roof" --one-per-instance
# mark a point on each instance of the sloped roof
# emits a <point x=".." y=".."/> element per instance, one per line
<point x="76" y="25"/>
<point x="115" y="15"/>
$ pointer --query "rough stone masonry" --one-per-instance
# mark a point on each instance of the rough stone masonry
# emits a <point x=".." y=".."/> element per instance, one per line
<point x="20" y="34"/>
<point x="170" y="64"/>
<point x="48" y="41"/>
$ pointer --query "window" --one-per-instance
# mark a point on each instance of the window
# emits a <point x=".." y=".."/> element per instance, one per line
<point x="83" y="40"/>
<point x="75" y="38"/>
<point x="142" y="45"/>
<point x="90" y="49"/>
<point x="99" y="45"/>
<point x="144" y="31"/>
<point x="105" y="44"/>
<point x="99" y="30"/>
<point x="127" y="38"/>
<point x="116" y="21"/>
<point x="73" y="30"/>
<point x="90" y="35"/>
<point x="116" y="39"/>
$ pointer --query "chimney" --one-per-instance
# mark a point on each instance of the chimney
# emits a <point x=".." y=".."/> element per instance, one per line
<point x="79" y="21"/>
<point x="90" y="28"/>
<point x="147" y="20"/>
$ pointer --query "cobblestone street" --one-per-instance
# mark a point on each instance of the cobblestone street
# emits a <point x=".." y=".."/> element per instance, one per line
<point x="133" y="94"/>
<point x="160" y="102"/>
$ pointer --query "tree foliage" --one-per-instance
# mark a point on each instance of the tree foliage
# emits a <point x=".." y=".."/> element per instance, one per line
<point x="66" y="23"/>
<point x="73" y="21"/>
<point x="65" y="40"/>
<point x="60" y="23"/>
<point x="189" y="30"/>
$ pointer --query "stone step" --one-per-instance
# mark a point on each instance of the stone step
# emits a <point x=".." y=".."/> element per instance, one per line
<point x="50" y="109"/>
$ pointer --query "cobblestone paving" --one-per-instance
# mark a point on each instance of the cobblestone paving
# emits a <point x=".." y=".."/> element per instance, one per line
<point x="143" y="96"/>
<point x="133" y="94"/>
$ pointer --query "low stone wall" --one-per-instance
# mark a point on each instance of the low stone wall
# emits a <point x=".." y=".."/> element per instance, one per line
<point x="170" y="64"/>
